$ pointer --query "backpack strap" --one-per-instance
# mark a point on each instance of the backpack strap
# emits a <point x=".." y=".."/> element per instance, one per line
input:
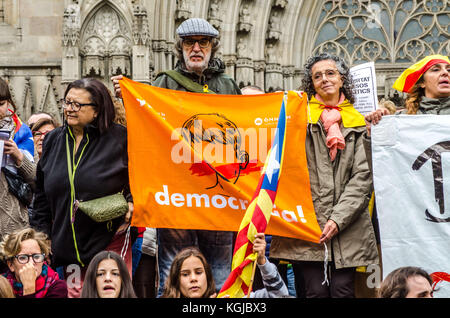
<point x="186" y="82"/>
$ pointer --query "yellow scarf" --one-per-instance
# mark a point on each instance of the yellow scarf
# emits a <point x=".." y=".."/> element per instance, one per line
<point x="350" y="116"/>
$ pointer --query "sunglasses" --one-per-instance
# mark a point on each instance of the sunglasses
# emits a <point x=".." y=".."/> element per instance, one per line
<point x="203" y="43"/>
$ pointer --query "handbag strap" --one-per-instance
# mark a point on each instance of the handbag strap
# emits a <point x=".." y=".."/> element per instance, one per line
<point x="126" y="242"/>
<point x="71" y="169"/>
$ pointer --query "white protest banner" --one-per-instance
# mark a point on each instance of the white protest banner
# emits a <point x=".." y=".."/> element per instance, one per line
<point x="411" y="175"/>
<point x="365" y="87"/>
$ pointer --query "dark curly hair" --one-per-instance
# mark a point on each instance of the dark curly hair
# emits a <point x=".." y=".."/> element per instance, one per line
<point x="307" y="82"/>
<point x="395" y="285"/>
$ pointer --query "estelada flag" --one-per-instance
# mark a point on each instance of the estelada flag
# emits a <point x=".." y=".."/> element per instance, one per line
<point x="195" y="160"/>
<point x="256" y="217"/>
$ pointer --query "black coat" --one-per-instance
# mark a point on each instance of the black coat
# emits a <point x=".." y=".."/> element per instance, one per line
<point x="102" y="170"/>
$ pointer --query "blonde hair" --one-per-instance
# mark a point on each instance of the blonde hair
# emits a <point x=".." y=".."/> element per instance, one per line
<point x="6" y="290"/>
<point x="389" y="105"/>
<point x="10" y="246"/>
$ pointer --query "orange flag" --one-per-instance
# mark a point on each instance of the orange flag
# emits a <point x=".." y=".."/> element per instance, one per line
<point x="195" y="160"/>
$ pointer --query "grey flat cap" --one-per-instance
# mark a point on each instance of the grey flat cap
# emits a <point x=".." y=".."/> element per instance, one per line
<point x="197" y="26"/>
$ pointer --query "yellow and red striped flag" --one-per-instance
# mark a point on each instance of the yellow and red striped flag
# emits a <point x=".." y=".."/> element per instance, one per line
<point x="256" y="216"/>
<point x="412" y="74"/>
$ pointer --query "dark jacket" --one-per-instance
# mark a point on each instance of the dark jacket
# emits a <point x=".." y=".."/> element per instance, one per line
<point x="102" y="170"/>
<point x="214" y="76"/>
<point x="57" y="290"/>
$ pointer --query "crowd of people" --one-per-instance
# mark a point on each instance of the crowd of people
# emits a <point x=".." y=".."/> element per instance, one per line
<point x="51" y="246"/>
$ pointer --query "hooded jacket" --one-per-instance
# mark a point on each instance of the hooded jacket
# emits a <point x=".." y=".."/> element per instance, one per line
<point x="102" y="170"/>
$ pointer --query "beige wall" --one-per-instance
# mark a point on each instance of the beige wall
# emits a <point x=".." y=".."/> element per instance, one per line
<point x="41" y="50"/>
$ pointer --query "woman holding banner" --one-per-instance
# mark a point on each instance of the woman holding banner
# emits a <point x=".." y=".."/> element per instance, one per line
<point x="427" y="83"/>
<point x="341" y="186"/>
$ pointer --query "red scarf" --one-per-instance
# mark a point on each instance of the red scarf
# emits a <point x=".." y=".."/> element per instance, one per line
<point x="43" y="282"/>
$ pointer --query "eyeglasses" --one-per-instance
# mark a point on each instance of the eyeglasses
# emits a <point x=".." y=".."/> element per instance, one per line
<point x="203" y="43"/>
<point x="329" y="74"/>
<point x="75" y="105"/>
<point x="39" y="134"/>
<point x="24" y="258"/>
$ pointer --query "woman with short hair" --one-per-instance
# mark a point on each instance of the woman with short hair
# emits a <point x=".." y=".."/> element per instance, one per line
<point x="40" y="129"/>
<point x="341" y="186"/>
<point x="25" y="252"/>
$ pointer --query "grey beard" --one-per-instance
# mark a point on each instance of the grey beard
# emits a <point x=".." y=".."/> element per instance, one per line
<point x="198" y="69"/>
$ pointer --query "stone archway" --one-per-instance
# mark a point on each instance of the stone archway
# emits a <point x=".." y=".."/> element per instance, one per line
<point x="105" y="44"/>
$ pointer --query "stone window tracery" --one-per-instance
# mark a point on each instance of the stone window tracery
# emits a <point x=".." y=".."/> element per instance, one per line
<point x="106" y="44"/>
<point x="384" y="31"/>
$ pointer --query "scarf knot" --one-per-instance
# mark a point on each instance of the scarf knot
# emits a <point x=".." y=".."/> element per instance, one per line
<point x="47" y="277"/>
<point x="331" y="119"/>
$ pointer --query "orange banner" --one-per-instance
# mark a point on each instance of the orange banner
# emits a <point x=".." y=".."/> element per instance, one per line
<point x="195" y="160"/>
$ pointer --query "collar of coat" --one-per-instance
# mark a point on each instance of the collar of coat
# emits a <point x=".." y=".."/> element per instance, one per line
<point x="350" y="116"/>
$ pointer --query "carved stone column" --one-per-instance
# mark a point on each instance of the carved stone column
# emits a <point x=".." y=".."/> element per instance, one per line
<point x="288" y="75"/>
<point x="259" y="69"/>
<point x="244" y="65"/>
<point x="215" y="14"/>
<point x="230" y="62"/>
<point x="141" y="51"/>
<point x="274" y="71"/>
<point x="70" y="42"/>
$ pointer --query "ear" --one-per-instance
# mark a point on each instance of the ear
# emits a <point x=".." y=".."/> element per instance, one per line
<point x="10" y="265"/>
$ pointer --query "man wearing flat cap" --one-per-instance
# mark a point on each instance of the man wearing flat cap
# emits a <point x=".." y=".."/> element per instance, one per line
<point x="197" y="43"/>
<point x="196" y="46"/>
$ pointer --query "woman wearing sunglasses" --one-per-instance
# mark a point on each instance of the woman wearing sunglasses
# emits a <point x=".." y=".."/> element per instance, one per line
<point x="25" y="252"/>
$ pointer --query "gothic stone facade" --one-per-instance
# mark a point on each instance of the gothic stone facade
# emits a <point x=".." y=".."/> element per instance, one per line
<point x="46" y="44"/>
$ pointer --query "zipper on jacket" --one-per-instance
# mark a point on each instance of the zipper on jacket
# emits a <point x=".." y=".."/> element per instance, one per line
<point x="71" y="168"/>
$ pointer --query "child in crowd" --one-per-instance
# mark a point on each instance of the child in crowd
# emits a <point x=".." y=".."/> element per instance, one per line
<point x="190" y="275"/>
<point x="107" y="276"/>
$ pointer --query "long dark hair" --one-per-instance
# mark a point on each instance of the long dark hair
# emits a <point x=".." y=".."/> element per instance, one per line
<point x="5" y="93"/>
<point x="347" y="81"/>
<point x="90" y="284"/>
<point x="172" y="285"/>
<point x="100" y="97"/>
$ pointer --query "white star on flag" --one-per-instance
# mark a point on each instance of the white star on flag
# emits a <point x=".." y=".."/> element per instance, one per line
<point x="142" y="102"/>
<point x="273" y="164"/>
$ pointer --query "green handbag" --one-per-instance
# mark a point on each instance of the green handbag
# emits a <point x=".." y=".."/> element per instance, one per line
<point x="105" y="208"/>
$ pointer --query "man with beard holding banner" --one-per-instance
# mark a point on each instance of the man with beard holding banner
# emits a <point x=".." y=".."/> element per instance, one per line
<point x="197" y="70"/>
